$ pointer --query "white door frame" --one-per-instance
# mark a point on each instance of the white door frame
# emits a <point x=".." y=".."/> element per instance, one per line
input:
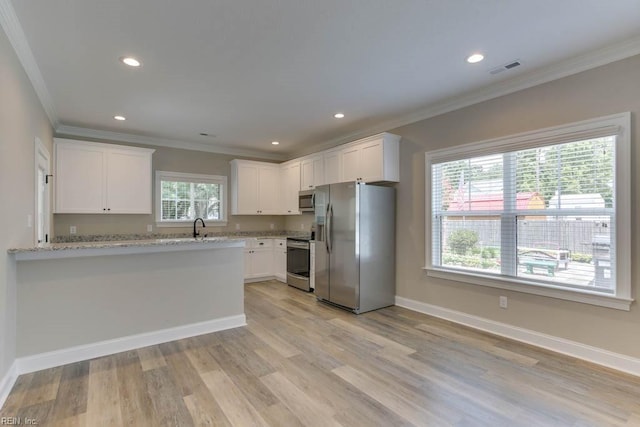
<point x="42" y="205"/>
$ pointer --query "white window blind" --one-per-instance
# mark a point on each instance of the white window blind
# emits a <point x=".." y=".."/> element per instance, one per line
<point x="545" y="214"/>
<point x="181" y="198"/>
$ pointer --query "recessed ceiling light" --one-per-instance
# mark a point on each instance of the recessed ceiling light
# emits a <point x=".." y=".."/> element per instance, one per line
<point x="275" y="143"/>
<point x="130" y="61"/>
<point x="476" y="57"/>
<point x="338" y="115"/>
<point x="121" y="118"/>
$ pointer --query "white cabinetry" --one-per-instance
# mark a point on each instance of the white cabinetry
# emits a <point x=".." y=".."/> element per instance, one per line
<point x="311" y="172"/>
<point x="372" y="159"/>
<point x="280" y="259"/>
<point x="332" y="166"/>
<point x="259" y="188"/>
<point x="258" y="259"/>
<point x="255" y="188"/>
<point x="102" y="178"/>
<point x="290" y="187"/>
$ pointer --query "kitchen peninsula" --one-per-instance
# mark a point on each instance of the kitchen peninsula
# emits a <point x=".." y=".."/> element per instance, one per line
<point x="76" y="301"/>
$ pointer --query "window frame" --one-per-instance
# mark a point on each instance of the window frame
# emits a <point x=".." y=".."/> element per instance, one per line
<point x="617" y="124"/>
<point x="195" y="178"/>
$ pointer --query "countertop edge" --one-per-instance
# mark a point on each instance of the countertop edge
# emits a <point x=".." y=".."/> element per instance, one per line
<point x="57" y="251"/>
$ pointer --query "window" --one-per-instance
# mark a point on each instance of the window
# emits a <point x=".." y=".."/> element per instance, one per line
<point x="182" y="197"/>
<point x="546" y="212"/>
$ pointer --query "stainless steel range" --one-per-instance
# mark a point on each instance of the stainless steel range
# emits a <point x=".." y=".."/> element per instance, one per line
<point x="298" y="263"/>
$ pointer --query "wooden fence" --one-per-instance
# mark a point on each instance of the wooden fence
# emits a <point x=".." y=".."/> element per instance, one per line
<point x="576" y="236"/>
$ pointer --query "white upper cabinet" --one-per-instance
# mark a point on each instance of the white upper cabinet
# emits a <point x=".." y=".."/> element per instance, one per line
<point x="255" y="188"/>
<point x="373" y="159"/>
<point x="311" y="172"/>
<point x="290" y="187"/>
<point x="350" y="164"/>
<point x="332" y="166"/>
<point x="259" y="188"/>
<point x="102" y="178"/>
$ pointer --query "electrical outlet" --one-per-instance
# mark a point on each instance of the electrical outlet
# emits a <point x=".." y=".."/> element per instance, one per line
<point x="301" y="226"/>
<point x="237" y="226"/>
<point x="72" y="229"/>
<point x="149" y="228"/>
<point x="272" y="226"/>
<point x="503" y="302"/>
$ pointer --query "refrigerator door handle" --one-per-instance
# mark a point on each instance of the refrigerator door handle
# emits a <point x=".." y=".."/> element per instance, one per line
<point x="329" y="227"/>
<point x="325" y="230"/>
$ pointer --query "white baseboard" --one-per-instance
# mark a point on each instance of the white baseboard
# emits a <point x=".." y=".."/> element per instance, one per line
<point x="575" y="349"/>
<point x="55" y="358"/>
<point x="7" y="382"/>
<point x="260" y="279"/>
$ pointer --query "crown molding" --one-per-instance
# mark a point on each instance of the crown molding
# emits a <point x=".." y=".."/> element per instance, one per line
<point x="574" y="65"/>
<point x="15" y="34"/>
<point x="80" y="132"/>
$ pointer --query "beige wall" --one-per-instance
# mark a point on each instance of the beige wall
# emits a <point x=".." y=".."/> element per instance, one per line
<point x="21" y="120"/>
<point x="174" y="160"/>
<point x="299" y="222"/>
<point x="606" y="90"/>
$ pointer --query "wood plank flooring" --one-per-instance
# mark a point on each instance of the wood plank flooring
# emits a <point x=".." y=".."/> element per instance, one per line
<point x="302" y="363"/>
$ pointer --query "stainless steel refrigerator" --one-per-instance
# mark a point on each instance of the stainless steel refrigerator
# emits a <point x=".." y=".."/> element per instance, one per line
<point x="355" y="246"/>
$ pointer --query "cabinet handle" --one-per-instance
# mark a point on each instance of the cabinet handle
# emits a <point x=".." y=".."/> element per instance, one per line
<point x="261" y="243"/>
<point x="108" y="209"/>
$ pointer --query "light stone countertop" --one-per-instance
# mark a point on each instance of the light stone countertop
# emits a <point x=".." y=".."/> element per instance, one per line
<point x="124" y="247"/>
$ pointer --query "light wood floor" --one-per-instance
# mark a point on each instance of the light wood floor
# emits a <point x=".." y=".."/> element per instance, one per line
<point x="299" y="362"/>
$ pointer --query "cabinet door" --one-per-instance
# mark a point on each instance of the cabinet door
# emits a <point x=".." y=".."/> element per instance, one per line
<point x="128" y="181"/>
<point x="332" y="167"/>
<point x="371" y="161"/>
<point x="311" y="173"/>
<point x="247" y="190"/>
<point x="79" y="179"/>
<point x="280" y="260"/>
<point x="290" y="188"/>
<point x="318" y="171"/>
<point x="307" y="181"/>
<point x="248" y="270"/>
<point x="262" y="262"/>
<point x="350" y="164"/>
<point x="268" y="190"/>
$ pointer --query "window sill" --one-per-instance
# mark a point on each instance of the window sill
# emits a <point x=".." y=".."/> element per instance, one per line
<point x="188" y="224"/>
<point x="534" y="288"/>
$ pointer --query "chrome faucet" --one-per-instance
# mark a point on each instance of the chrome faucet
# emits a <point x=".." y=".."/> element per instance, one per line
<point x="196" y="233"/>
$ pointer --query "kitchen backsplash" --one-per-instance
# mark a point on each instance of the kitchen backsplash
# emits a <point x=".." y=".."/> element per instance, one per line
<point x="149" y="236"/>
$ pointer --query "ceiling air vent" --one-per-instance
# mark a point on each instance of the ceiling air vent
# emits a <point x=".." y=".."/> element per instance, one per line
<point x="505" y="67"/>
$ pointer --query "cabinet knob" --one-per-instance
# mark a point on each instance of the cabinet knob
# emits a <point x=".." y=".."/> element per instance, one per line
<point x="104" y="209"/>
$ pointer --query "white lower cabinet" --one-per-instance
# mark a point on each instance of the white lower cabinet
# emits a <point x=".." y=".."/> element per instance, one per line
<point x="280" y="259"/>
<point x="258" y="259"/>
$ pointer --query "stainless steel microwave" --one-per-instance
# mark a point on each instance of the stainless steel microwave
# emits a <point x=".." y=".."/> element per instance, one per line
<point x="306" y="201"/>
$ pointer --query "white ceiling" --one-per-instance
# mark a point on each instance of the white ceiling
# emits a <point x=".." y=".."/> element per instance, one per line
<point x="254" y="71"/>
